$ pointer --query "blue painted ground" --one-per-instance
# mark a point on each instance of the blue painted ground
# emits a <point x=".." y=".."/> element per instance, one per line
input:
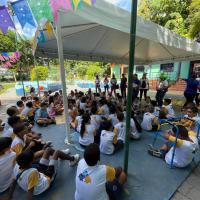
<point x="149" y="178"/>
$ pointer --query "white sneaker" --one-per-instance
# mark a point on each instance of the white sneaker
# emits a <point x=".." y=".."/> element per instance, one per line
<point x="76" y="159"/>
<point x="66" y="151"/>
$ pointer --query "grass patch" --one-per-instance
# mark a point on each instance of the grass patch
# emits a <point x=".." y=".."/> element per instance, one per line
<point x="5" y="87"/>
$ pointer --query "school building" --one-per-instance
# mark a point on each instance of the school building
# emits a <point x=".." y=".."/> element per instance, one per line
<point x="175" y="72"/>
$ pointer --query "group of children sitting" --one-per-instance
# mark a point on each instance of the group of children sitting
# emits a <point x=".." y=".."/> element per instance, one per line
<point x="100" y="121"/>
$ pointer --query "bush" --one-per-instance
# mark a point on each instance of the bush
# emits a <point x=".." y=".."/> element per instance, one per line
<point x="43" y="72"/>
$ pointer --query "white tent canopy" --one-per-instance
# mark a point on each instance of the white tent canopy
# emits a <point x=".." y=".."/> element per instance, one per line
<point x="101" y="33"/>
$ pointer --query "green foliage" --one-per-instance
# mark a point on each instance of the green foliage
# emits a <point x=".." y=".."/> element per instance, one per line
<point x="42" y="72"/>
<point x="172" y="14"/>
<point x="84" y="70"/>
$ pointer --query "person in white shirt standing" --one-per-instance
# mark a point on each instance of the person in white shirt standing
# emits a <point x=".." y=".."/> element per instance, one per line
<point x="7" y="162"/>
<point x="162" y="88"/>
<point x="95" y="181"/>
<point x="98" y="84"/>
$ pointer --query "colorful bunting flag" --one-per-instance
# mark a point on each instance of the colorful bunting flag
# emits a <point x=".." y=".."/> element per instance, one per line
<point x="41" y="9"/>
<point x="59" y="4"/>
<point x="23" y="13"/>
<point x="5" y="20"/>
<point x="89" y="2"/>
<point x="34" y="43"/>
<point x="2" y="58"/>
<point x="49" y="29"/>
<point x="76" y="4"/>
<point x="41" y="37"/>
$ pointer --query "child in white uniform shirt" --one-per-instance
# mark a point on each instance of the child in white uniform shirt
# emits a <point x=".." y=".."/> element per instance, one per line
<point x="95" y="181"/>
<point x="37" y="180"/>
<point x="119" y="131"/>
<point x="108" y="139"/>
<point x="87" y="131"/>
<point x="170" y="111"/>
<point x="7" y="162"/>
<point x="185" y="148"/>
<point x="113" y="115"/>
<point x="150" y="121"/>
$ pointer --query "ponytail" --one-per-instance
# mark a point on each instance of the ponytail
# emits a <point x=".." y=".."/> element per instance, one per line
<point x="137" y="125"/>
<point x="86" y="119"/>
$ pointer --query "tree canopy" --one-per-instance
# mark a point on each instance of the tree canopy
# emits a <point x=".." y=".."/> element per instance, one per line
<point x="180" y="16"/>
<point x="42" y="72"/>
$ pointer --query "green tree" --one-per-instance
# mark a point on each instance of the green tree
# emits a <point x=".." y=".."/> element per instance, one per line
<point x="194" y="19"/>
<point x="42" y="72"/>
<point x="172" y="14"/>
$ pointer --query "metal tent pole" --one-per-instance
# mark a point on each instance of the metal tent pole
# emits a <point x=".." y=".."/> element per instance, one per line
<point x="62" y="74"/>
<point x="130" y="72"/>
<point x="37" y="77"/>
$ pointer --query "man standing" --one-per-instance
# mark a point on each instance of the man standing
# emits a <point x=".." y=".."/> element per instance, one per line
<point x="123" y="85"/>
<point x="162" y="88"/>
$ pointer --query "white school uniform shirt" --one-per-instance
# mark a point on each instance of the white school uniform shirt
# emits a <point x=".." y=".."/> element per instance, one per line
<point x="114" y="119"/>
<point x="90" y="181"/>
<point x="106" y="142"/>
<point x="193" y="137"/>
<point x="135" y="134"/>
<point x="156" y="111"/>
<point x="79" y="120"/>
<point x="82" y="106"/>
<point x="95" y="120"/>
<point x="7" y="162"/>
<point x="147" y="121"/>
<point x="170" y="111"/>
<point x="7" y="131"/>
<point x="32" y="178"/>
<point x="25" y="111"/>
<point x="88" y="136"/>
<point x="184" y="153"/>
<point x="120" y="127"/>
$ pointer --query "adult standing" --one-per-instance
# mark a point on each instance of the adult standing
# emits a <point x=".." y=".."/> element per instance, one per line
<point x="198" y="91"/>
<point x="144" y="86"/>
<point x="161" y="88"/>
<point x="123" y="85"/>
<point x="98" y="84"/>
<point x="135" y="85"/>
<point x="113" y="82"/>
<point x="191" y="89"/>
<point x="106" y="83"/>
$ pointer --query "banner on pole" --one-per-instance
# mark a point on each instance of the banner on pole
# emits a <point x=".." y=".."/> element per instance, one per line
<point x="23" y="13"/>
<point x="5" y="20"/>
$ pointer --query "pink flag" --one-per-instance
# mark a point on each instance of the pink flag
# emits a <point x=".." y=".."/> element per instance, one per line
<point x="8" y="64"/>
<point x="57" y="4"/>
<point x="1" y="58"/>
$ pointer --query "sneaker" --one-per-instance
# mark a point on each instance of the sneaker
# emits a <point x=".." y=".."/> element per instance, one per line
<point x="76" y="159"/>
<point x="66" y="151"/>
<point x="155" y="153"/>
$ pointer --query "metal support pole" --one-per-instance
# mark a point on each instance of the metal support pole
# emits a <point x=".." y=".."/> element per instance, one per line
<point x="130" y="74"/>
<point x="37" y="76"/>
<point x="62" y="75"/>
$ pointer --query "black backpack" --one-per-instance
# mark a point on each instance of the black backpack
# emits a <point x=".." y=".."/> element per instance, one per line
<point x="144" y="84"/>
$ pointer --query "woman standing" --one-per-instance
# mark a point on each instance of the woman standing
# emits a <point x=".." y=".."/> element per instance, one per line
<point x="144" y="86"/>
<point x="191" y="89"/>
<point x="123" y="85"/>
<point x="113" y="82"/>
<point x="106" y="83"/>
<point x="135" y="85"/>
<point x="98" y="84"/>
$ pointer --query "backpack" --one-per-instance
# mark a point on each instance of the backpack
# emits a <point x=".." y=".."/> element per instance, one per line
<point x="143" y="84"/>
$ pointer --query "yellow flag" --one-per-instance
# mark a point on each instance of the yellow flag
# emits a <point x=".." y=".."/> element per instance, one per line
<point x="49" y="29"/>
<point x="89" y="2"/>
<point x="76" y="4"/>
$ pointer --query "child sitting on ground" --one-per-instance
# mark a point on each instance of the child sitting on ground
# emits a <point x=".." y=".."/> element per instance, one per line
<point x="95" y="118"/>
<point x="185" y="148"/>
<point x="42" y="117"/>
<point x="170" y="111"/>
<point x="95" y="181"/>
<point x="7" y="162"/>
<point x="136" y="129"/>
<point x="150" y="121"/>
<point x="28" y="112"/>
<point x="87" y="131"/>
<point x="20" y="106"/>
<point x="108" y="138"/>
<point x="119" y="131"/>
<point x="113" y="115"/>
<point x="37" y="180"/>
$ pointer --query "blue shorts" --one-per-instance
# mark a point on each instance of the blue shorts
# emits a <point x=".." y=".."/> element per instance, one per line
<point x="114" y="189"/>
